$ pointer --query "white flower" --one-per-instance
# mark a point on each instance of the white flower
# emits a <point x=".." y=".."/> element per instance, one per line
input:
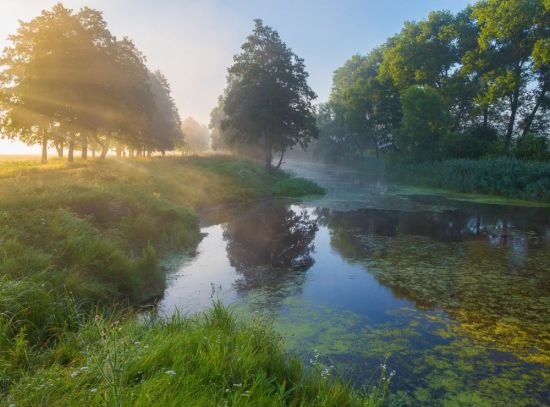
<point x="93" y="390"/>
<point x="84" y="369"/>
<point x="170" y="373"/>
<point x="74" y="374"/>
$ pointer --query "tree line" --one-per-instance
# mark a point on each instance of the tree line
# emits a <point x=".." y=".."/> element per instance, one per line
<point x="67" y="82"/>
<point x="465" y="85"/>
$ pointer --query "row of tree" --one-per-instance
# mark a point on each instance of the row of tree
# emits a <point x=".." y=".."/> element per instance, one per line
<point x="453" y="85"/>
<point x="66" y="81"/>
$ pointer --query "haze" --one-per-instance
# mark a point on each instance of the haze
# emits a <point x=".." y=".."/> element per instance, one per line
<point x="193" y="42"/>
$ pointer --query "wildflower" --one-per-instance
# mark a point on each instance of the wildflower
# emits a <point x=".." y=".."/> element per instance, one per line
<point x="84" y="369"/>
<point x="96" y="318"/>
<point x="237" y="384"/>
<point x="392" y="373"/>
<point x="170" y="373"/>
<point x="383" y="366"/>
<point x="93" y="390"/>
<point x="74" y="374"/>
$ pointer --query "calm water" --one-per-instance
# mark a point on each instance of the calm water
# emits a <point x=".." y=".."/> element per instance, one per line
<point x="454" y="296"/>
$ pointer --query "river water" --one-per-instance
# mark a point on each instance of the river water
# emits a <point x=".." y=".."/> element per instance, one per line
<point x="453" y="296"/>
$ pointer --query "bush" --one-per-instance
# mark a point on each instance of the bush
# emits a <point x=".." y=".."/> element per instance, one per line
<point x="295" y="187"/>
<point x="532" y="147"/>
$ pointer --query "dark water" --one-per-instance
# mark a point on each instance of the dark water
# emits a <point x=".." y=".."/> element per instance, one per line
<point x="453" y="296"/>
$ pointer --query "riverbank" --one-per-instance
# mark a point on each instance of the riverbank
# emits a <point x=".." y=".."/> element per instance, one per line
<point x="81" y="242"/>
<point x="505" y="177"/>
<point x="500" y="180"/>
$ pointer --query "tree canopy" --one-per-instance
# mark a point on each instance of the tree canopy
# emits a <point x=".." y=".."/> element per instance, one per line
<point x="486" y="67"/>
<point x="65" y="80"/>
<point x="268" y="103"/>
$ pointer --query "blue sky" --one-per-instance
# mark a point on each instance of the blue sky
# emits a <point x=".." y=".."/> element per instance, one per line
<point x="192" y="42"/>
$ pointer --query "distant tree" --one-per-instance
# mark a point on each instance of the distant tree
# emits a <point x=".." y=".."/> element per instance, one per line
<point x="268" y="101"/>
<point x="197" y="136"/>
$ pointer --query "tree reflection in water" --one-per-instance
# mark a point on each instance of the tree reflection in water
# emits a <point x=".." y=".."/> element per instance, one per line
<point x="270" y="247"/>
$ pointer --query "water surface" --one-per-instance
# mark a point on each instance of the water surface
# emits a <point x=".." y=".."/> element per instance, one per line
<point x="453" y="296"/>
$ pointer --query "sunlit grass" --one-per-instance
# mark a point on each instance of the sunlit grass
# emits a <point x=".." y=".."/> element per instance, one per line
<point x="83" y="239"/>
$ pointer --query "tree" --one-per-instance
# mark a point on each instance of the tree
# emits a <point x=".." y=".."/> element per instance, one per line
<point x="511" y="30"/>
<point x="425" y="121"/>
<point x="34" y="73"/>
<point x="268" y="102"/>
<point x="165" y="126"/>
<point x="197" y="136"/>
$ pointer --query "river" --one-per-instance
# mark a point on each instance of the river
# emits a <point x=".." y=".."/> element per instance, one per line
<point x="453" y="296"/>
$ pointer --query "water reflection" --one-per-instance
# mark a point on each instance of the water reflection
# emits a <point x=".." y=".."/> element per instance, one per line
<point x="488" y="274"/>
<point x="270" y="246"/>
<point x="455" y="294"/>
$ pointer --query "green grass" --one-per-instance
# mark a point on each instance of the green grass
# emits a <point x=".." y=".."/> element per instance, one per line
<point x="208" y="360"/>
<point x="296" y="187"/>
<point x="80" y="245"/>
<point x="506" y="177"/>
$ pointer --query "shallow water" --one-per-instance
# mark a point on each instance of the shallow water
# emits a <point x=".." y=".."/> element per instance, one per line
<point x="453" y="296"/>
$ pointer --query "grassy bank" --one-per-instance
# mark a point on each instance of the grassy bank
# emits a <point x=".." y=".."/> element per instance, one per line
<point x="95" y="228"/>
<point x="208" y="360"/>
<point x="504" y="177"/>
<point x="80" y="245"/>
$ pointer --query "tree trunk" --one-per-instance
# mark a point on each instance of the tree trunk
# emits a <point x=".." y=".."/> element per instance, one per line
<point x="44" y="159"/>
<point x="59" y="148"/>
<point x="105" y="149"/>
<point x="514" y="102"/>
<point x="485" y="117"/>
<point x="131" y="152"/>
<point x="118" y="151"/>
<point x="513" y="110"/>
<point x="377" y="149"/>
<point x="148" y="153"/>
<point x="163" y="153"/>
<point x="531" y="117"/>
<point x="280" y="160"/>
<point x="93" y="152"/>
<point x="84" y="154"/>
<point x="71" y="149"/>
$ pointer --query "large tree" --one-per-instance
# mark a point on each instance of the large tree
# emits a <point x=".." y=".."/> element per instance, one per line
<point x="268" y="101"/>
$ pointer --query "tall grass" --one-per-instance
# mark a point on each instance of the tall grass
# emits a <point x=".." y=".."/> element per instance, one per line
<point x="208" y="360"/>
<point x="506" y="177"/>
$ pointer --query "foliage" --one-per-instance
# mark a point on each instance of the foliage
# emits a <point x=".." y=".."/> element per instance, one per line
<point x="532" y="147"/>
<point x="488" y="64"/>
<point x="503" y="176"/>
<point x="425" y="121"/>
<point x="268" y="103"/>
<point x="65" y="80"/>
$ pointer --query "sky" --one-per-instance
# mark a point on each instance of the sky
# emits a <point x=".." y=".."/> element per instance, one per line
<point x="193" y="42"/>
